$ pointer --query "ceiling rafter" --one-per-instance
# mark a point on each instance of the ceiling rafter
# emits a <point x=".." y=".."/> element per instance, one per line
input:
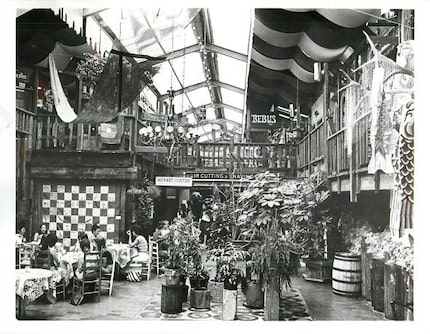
<point x="204" y="84"/>
<point x="213" y="105"/>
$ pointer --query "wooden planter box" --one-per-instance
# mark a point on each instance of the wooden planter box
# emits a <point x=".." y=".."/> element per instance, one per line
<point x="318" y="270"/>
<point x="388" y="286"/>
<point x="398" y="298"/>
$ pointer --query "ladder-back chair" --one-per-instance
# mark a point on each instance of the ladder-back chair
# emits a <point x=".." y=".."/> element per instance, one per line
<point x="90" y="283"/>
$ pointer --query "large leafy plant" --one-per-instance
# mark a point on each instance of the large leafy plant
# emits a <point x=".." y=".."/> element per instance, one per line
<point x="183" y="240"/>
<point x="227" y="258"/>
<point x="276" y="217"/>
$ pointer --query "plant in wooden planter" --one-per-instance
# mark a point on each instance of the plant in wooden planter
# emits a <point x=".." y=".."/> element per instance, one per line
<point x="228" y="272"/>
<point x="198" y="277"/>
<point x="227" y="258"/>
<point x="183" y="240"/>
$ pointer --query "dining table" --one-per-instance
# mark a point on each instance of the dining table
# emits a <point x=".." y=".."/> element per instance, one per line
<point x="121" y="253"/>
<point x="32" y="283"/>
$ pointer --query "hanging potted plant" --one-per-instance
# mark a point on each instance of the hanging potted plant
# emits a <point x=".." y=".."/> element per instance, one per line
<point x="89" y="70"/>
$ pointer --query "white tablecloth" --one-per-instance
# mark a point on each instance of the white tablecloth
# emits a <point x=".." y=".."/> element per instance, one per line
<point x="32" y="283"/>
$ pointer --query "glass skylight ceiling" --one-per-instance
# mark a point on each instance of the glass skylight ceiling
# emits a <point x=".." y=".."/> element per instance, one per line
<point x="150" y="32"/>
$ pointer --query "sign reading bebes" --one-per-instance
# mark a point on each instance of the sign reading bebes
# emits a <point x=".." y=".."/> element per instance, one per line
<point x="172" y="181"/>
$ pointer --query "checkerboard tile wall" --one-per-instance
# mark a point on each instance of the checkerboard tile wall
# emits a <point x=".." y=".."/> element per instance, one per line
<point x="69" y="209"/>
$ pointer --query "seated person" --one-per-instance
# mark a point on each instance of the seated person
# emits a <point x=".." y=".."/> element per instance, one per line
<point x="20" y="236"/>
<point x="107" y="261"/>
<point x="95" y="230"/>
<point x="90" y="274"/>
<point x="160" y="236"/>
<point x="46" y="248"/>
<point x="39" y="237"/>
<point x="139" y="245"/>
<point x="57" y="251"/>
<point x="76" y="247"/>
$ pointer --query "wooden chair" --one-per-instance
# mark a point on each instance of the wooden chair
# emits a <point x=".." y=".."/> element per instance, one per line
<point x="107" y="279"/>
<point x="60" y="288"/>
<point x="144" y="268"/>
<point x="43" y="259"/>
<point x="91" y="278"/>
<point x="24" y="256"/>
<point x="155" y="255"/>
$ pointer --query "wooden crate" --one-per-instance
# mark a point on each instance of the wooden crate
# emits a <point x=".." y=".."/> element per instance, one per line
<point x="318" y="270"/>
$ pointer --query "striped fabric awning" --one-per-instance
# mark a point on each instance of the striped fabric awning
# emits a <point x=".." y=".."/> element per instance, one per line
<point x="287" y="43"/>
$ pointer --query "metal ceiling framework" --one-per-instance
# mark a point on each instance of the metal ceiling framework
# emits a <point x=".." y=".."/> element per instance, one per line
<point x="202" y="29"/>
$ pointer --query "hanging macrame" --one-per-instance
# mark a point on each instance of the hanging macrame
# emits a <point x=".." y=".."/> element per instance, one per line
<point x="103" y="105"/>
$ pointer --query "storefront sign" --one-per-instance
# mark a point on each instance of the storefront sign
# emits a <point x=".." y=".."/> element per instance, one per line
<point x="171" y="181"/>
<point x="23" y="78"/>
<point x="217" y="176"/>
<point x="265" y="119"/>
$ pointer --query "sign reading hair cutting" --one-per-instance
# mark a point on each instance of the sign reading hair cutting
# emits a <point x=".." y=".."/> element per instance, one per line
<point x="172" y="181"/>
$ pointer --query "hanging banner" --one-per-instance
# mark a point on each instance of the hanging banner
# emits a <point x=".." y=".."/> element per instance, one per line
<point x="62" y="105"/>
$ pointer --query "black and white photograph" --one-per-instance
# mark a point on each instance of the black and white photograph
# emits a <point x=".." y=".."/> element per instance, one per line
<point x="244" y="166"/>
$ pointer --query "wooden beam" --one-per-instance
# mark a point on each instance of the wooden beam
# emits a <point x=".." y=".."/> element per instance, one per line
<point x="90" y="173"/>
<point x="150" y="149"/>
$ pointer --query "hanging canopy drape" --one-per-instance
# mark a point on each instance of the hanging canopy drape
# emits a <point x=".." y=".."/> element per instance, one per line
<point x="287" y="43"/>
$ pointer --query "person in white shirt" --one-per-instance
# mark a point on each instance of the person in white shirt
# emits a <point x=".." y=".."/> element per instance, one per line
<point x="20" y="236"/>
<point x="92" y="237"/>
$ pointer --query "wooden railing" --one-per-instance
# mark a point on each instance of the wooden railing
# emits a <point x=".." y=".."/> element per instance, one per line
<point x="338" y="161"/>
<point x="313" y="147"/>
<point x="52" y="133"/>
<point x="24" y="121"/>
<point x="238" y="156"/>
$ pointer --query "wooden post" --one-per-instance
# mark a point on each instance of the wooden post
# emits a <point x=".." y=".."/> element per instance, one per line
<point x="377" y="274"/>
<point x="389" y="288"/>
<point x="271" y="297"/>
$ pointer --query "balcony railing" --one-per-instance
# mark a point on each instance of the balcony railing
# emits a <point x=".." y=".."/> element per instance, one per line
<point x="52" y="133"/>
<point x="24" y="121"/>
<point x="236" y="156"/>
<point x="312" y="147"/>
<point x="338" y="161"/>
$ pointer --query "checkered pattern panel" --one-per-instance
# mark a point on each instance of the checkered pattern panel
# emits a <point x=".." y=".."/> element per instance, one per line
<point x="69" y="209"/>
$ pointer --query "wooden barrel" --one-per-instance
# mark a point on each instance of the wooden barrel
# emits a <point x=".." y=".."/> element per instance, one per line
<point x="171" y="299"/>
<point x="346" y="274"/>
